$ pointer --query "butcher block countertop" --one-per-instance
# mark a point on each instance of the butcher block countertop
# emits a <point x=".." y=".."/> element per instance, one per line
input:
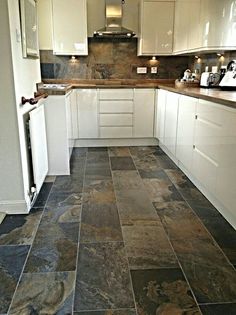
<point x="216" y="95"/>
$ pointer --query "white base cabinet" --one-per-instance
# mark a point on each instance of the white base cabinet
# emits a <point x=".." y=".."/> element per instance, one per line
<point x="59" y="113"/>
<point x="205" y="137"/>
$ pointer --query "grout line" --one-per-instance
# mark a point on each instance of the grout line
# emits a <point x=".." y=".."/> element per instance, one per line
<point x="78" y="247"/>
<point x="27" y="256"/>
<point x="126" y="256"/>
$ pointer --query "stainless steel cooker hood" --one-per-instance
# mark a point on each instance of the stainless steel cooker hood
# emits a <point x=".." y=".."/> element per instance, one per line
<point x="114" y="26"/>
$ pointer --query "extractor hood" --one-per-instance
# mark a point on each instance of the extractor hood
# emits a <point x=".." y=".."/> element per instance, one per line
<point x="114" y="28"/>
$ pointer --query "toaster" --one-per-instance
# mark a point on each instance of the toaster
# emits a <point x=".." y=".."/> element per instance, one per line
<point x="210" y="79"/>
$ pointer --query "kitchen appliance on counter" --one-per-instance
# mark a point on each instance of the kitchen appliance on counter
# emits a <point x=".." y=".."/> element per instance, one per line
<point x="210" y="79"/>
<point x="229" y="80"/>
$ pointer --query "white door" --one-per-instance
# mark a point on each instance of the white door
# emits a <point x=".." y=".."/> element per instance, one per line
<point x="171" y="119"/>
<point x="185" y="130"/>
<point x="144" y="113"/>
<point x="38" y="142"/>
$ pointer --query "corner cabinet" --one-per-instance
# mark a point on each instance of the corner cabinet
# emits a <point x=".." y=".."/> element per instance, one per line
<point x="69" y="19"/>
<point x="156" y="27"/>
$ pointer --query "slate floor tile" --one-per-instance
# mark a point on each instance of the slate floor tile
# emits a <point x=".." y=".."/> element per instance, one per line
<point x="223" y="233"/>
<point x="98" y="192"/>
<point x="118" y="151"/>
<point x="165" y="162"/>
<point x="108" y="312"/>
<point x="79" y="152"/>
<point x="211" y="277"/>
<point x="134" y="205"/>
<point x="97" y="149"/>
<point x="103" y="280"/>
<point x="147" y="246"/>
<point x="142" y="151"/>
<point x="96" y="173"/>
<point x="127" y="180"/>
<point x="20" y="229"/>
<point x="122" y="163"/>
<point x="54" y="248"/>
<point x="49" y="293"/>
<point x="186" y="188"/>
<point x="179" y="220"/>
<point x="100" y="223"/>
<point x="43" y="195"/>
<point x="219" y="309"/>
<point x="161" y="190"/>
<point x="68" y="184"/>
<point x="12" y="259"/>
<point x="162" y="291"/>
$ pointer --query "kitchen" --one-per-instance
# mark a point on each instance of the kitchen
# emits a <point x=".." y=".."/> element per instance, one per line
<point x="120" y="201"/>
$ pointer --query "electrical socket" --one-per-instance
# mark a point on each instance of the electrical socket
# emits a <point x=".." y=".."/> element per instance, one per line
<point x="141" y="70"/>
<point x="154" y="70"/>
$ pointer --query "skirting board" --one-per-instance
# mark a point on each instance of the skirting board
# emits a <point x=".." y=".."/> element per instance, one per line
<point x="226" y="213"/>
<point x="14" y="207"/>
<point x="115" y="142"/>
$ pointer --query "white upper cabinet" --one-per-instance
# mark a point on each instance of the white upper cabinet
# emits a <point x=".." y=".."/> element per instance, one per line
<point x="187" y="26"/>
<point x="69" y="19"/>
<point x="156" y="27"/>
<point x="218" y="24"/>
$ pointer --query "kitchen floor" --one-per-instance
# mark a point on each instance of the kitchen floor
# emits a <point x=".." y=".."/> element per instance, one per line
<point x="127" y="233"/>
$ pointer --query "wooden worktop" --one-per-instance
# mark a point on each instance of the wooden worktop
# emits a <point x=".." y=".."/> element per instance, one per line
<point x="216" y="95"/>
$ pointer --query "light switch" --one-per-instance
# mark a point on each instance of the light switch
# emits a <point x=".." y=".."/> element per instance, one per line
<point x="141" y="70"/>
<point x="153" y="69"/>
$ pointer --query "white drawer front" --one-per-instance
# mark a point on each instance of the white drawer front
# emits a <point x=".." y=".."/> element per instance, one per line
<point x="116" y="119"/>
<point x="116" y="106"/>
<point x="116" y="94"/>
<point x="116" y="132"/>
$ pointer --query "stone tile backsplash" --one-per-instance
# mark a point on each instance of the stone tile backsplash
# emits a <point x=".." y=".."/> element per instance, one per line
<point x="117" y="59"/>
<point x="110" y="59"/>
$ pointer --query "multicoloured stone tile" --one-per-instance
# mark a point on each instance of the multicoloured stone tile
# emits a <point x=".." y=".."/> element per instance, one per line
<point x="98" y="192"/>
<point x="43" y="195"/>
<point x="147" y="246"/>
<point x="134" y="205"/>
<point x="20" y="229"/>
<point x="128" y="180"/>
<point x="119" y="151"/>
<point x="12" y="259"/>
<point x="123" y="163"/>
<point x="54" y="248"/>
<point x="162" y="291"/>
<point x="108" y="312"/>
<point x="179" y="220"/>
<point x="211" y="277"/>
<point x="218" y="309"/>
<point x="48" y="293"/>
<point x="100" y="223"/>
<point x="103" y="280"/>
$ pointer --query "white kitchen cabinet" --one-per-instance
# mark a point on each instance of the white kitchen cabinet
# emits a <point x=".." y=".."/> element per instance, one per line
<point x="156" y="27"/>
<point x="185" y="130"/>
<point x="160" y="115"/>
<point x="69" y="19"/>
<point x="217" y="23"/>
<point x="171" y="121"/>
<point x="87" y="106"/>
<point x="187" y="26"/>
<point x="59" y="134"/>
<point x="74" y="114"/>
<point x="144" y="102"/>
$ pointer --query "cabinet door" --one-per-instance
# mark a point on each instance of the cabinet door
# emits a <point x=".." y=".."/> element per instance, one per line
<point x="157" y="19"/>
<point x="182" y="18"/>
<point x="225" y="182"/>
<point x="144" y="113"/>
<point x="206" y="144"/>
<point x="185" y="130"/>
<point x="160" y="115"/>
<point x="69" y="27"/>
<point x="171" y="118"/>
<point x="69" y="122"/>
<point x="74" y="114"/>
<point x="87" y="104"/>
